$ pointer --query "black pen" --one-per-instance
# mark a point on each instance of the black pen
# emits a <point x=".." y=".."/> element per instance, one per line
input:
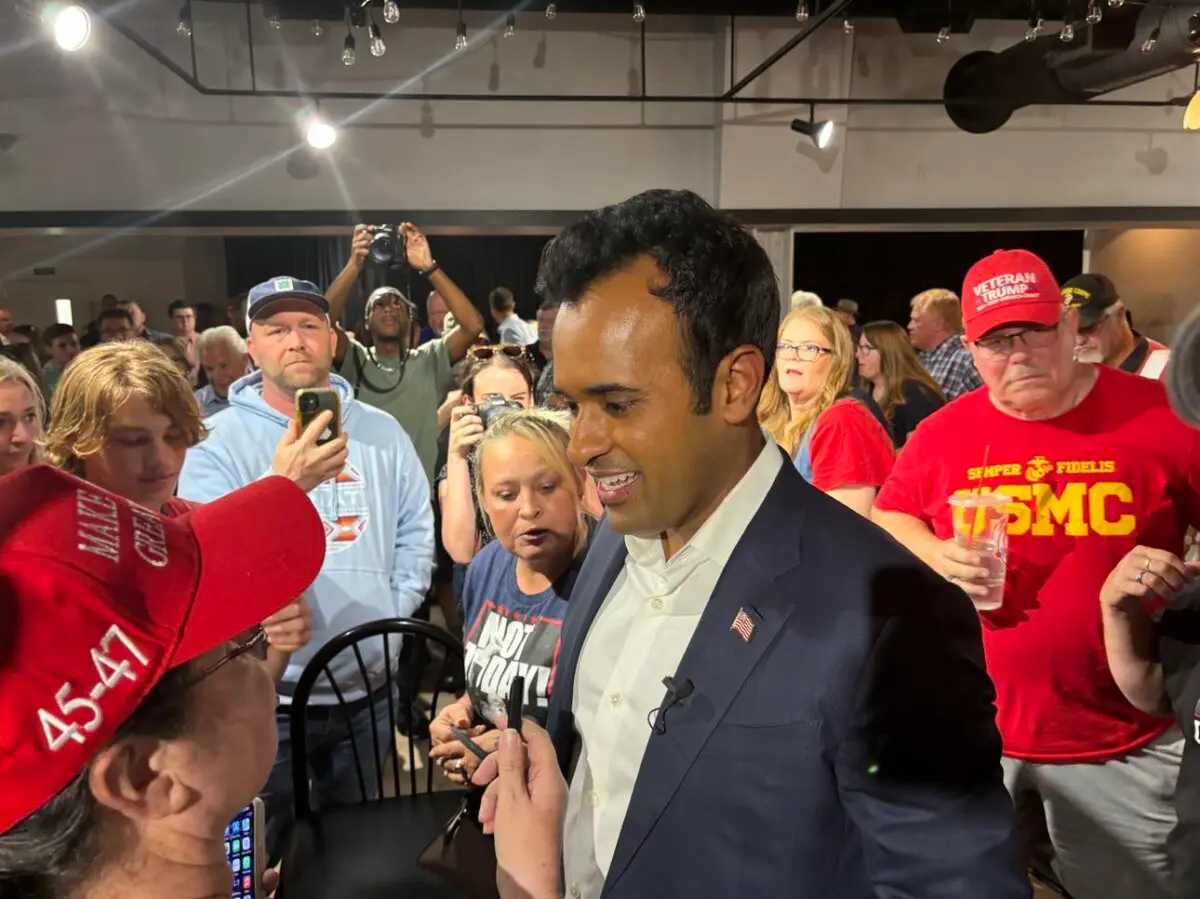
<point x="461" y="736"/>
<point x="516" y="703"/>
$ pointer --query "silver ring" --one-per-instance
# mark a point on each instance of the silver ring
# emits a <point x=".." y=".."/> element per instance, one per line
<point x="1138" y="577"/>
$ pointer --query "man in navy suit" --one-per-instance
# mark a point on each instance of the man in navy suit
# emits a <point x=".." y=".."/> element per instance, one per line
<point x="826" y="729"/>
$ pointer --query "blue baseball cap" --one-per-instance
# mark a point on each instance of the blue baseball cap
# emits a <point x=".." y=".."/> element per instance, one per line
<point x="283" y="288"/>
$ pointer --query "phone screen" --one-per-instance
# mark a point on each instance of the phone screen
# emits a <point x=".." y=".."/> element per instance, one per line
<point x="239" y="849"/>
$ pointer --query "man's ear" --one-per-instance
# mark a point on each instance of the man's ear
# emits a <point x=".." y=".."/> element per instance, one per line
<point x="135" y="779"/>
<point x="739" y="382"/>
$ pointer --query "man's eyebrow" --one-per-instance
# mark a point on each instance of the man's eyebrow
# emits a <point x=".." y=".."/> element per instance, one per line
<point x="602" y="389"/>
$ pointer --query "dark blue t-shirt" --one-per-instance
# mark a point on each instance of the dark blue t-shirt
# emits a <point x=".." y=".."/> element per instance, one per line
<point x="511" y="633"/>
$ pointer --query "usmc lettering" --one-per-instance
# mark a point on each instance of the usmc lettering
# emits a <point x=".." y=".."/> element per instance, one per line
<point x="1104" y="508"/>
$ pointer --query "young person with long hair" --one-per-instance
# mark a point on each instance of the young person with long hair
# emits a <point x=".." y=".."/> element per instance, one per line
<point x="533" y="498"/>
<point x="833" y="439"/>
<point x="124" y="417"/>
<point x="22" y="415"/>
<point x="900" y="385"/>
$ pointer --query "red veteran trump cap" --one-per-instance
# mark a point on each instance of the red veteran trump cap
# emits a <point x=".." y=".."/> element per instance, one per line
<point x="1010" y="287"/>
<point x="100" y="598"/>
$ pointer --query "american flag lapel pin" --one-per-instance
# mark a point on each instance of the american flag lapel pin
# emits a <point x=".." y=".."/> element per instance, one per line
<point x="743" y="626"/>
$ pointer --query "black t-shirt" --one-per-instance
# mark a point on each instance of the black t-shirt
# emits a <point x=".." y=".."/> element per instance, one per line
<point x="1179" y="651"/>
<point x="919" y="403"/>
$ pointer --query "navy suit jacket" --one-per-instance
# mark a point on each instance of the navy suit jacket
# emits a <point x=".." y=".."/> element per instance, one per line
<point x="847" y="750"/>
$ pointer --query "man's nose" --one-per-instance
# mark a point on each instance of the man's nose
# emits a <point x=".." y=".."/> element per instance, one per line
<point x="589" y="438"/>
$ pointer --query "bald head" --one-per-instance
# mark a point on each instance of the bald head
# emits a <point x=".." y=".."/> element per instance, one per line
<point x="435" y="310"/>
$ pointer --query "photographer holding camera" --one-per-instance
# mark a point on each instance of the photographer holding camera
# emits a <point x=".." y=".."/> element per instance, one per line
<point x="387" y="370"/>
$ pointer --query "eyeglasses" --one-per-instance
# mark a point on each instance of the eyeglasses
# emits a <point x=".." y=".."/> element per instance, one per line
<point x="483" y="353"/>
<point x="1109" y="315"/>
<point x="253" y="643"/>
<point x="863" y="348"/>
<point x="1031" y="338"/>
<point x="801" y="352"/>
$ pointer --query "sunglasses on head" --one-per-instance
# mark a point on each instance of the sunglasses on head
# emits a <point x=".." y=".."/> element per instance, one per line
<point x="511" y="350"/>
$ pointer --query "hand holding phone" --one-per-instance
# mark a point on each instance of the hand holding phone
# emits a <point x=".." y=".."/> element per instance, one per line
<point x="307" y="454"/>
<point x="245" y="850"/>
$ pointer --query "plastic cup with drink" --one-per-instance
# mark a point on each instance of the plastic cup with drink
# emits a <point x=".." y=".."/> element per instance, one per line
<point x="981" y="525"/>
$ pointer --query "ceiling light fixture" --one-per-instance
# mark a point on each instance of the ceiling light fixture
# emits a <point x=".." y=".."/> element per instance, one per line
<point x="349" y="56"/>
<point x="318" y="28"/>
<point x="510" y="24"/>
<point x="1068" y="32"/>
<point x="318" y="133"/>
<point x="391" y="12"/>
<point x="802" y="12"/>
<point x="551" y="11"/>
<point x="1094" y="13"/>
<point x="1034" y="29"/>
<point x="376" y="45"/>
<point x="1116" y="4"/>
<point x="639" y="13"/>
<point x="184" y="28"/>
<point x="847" y="26"/>
<point x="72" y="26"/>
<point x="943" y="35"/>
<point x="460" y="36"/>
<point x="820" y="133"/>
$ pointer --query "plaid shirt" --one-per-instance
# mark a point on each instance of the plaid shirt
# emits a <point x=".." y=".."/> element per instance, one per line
<point x="952" y="367"/>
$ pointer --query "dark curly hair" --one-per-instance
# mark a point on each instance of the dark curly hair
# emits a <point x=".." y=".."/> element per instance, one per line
<point x="719" y="279"/>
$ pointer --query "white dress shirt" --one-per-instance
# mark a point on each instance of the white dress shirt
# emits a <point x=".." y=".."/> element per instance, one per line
<point x="638" y="637"/>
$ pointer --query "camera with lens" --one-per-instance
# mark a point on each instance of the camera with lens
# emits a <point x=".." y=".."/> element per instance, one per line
<point x="309" y="402"/>
<point x="494" y="407"/>
<point x="387" y="246"/>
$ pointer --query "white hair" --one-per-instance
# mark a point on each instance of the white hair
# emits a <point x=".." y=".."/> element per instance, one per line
<point x="226" y="334"/>
<point x="802" y="299"/>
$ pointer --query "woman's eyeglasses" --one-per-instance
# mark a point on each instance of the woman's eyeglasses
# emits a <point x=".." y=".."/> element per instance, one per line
<point x="511" y="350"/>
<point x="253" y="643"/>
<point x="863" y="348"/>
<point x="801" y="352"/>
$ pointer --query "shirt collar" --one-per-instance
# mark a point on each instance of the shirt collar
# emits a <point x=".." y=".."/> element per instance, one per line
<point x="721" y="533"/>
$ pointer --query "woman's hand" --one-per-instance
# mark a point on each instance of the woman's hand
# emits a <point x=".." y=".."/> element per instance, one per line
<point x="456" y="714"/>
<point x="458" y="762"/>
<point x="466" y="430"/>
<point x="1147" y="577"/>
<point x="300" y="458"/>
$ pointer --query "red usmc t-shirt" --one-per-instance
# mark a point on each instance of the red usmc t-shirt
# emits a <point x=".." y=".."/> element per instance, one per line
<point x="849" y="448"/>
<point x="1118" y="470"/>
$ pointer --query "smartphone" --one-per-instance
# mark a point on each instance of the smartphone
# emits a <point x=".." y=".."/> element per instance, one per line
<point x="311" y="402"/>
<point x="246" y="849"/>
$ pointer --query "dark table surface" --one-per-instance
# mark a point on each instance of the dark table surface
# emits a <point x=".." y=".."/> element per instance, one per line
<point x="368" y="851"/>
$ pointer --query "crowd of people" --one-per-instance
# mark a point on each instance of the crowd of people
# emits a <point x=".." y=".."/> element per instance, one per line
<point x="724" y="543"/>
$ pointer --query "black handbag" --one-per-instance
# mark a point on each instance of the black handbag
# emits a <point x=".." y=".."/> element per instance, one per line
<point x="462" y="854"/>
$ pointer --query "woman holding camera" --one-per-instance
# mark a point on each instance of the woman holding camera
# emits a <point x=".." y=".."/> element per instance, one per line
<point x="517" y="586"/>
<point x="498" y="376"/>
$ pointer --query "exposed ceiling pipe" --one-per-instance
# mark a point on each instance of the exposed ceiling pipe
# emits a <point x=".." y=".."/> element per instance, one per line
<point x="1130" y="45"/>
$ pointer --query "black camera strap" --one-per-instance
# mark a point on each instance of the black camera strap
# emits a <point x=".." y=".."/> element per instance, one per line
<point x="360" y="371"/>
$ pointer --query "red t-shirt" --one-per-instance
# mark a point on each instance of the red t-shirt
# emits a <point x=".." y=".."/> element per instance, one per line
<point x="1117" y="471"/>
<point x="176" y="507"/>
<point x="849" y="448"/>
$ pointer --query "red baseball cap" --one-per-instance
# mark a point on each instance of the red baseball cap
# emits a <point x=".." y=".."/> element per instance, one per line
<point x="100" y="598"/>
<point x="1010" y="287"/>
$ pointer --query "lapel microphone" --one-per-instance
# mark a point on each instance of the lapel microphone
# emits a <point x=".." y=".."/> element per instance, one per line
<point x="677" y="691"/>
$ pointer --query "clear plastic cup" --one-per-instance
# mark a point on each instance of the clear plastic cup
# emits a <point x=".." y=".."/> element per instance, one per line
<point x="981" y="525"/>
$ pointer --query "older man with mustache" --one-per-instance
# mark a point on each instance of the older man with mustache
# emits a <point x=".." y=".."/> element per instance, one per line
<point x="1092" y="463"/>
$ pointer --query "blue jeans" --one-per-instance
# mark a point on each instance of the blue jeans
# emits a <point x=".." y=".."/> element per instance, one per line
<point x="332" y="773"/>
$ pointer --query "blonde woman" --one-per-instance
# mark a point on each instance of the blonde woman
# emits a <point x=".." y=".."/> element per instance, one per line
<point x="899" y="383"/>
<point x="836" y="442"/>
<point x="518" y="586"/>
<point x="22" y="413"/>
<point x="124" y="417"/>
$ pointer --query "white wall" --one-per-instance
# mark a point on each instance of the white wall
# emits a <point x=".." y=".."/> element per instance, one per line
<point x="153" y="269"/>
<point x="1155" y="272"/>
<point x="110" y="129"/>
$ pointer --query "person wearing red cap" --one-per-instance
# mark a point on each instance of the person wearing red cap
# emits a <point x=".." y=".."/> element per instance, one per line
<point x="135" y="719"/>
<point x="124" y="417"/>
<point x="1094" y="463"/>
